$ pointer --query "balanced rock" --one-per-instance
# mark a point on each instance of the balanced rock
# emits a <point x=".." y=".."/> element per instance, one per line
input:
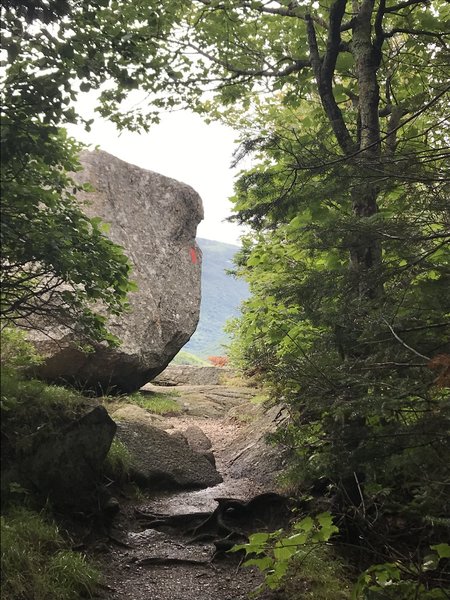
<point x="155" y="219"/>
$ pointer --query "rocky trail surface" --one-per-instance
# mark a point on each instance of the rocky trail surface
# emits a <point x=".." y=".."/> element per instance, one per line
<point x="170" y="545"/>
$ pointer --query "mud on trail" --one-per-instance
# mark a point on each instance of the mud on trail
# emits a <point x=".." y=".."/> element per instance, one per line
<point x="171" y="545"/>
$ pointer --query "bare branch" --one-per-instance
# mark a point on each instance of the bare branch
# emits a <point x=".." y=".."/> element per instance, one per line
<point x="400" y="5"/>
<point x="398" y="338"/>
<point x="393" y="32"/>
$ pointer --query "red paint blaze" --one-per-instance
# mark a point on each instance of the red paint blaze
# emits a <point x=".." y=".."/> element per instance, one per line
<point x="193" y="254"/>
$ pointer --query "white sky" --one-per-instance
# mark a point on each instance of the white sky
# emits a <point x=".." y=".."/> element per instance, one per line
<point x="183" y="147"/>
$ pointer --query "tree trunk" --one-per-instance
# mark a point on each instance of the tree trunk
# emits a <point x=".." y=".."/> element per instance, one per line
<point x="365" y="255"/>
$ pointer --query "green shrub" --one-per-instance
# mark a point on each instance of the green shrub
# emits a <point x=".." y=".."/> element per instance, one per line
<point x="403" y="580"/>
<point x="36" y="563"/>
<point x="276" y="553"/>
<point x="16" y="352"/>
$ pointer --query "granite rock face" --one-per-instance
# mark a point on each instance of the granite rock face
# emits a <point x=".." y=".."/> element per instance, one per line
<point x="197" y="441"/>
<point x="163" y="461"/>
<point x="67" y="466"/>
<point x="191" y="375"/>
<point x="155" y="219"/>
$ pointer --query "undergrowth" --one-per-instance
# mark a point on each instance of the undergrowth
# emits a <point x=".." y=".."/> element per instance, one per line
<point x="118" y="462"/>
<point x="158" y="403"/>
<point x="33" y="403"/>
<point x="36" y="562"/>
<point x="317" y="575"/>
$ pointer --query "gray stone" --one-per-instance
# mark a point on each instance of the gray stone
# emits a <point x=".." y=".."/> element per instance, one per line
<point x="67" y="465"/>
<point x="251" y="455"/>
<point x="179" y="435"/>
<point x="190" y="375"/>
<point x="197" y="440"/>
<point x="131" y="412"/>
<point x="162" y="461"/>
<point x="155" y="219"/>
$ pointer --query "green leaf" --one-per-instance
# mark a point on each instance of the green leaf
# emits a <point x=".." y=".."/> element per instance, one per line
<point x="67" y="51"/>
<point x="298" y="539"/>
<point x="442" y="550"/>
<point x="305" y="524"/>
<point x="430" y="562"/>
<point x="344" y="62"/>
<point x="258" y="539"/>
<point x="263" y="563"/>
<point x="282" y="552"/>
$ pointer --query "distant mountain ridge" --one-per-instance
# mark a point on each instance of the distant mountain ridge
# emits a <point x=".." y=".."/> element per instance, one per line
<point x="221" y="296"/>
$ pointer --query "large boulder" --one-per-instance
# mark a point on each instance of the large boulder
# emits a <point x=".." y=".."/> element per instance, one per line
<point x="155" y="219"/>
<point x="162" y="461"/>
<point x="66" y="465"/>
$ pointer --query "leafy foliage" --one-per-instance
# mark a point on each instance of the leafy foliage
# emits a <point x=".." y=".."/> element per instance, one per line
<point x="17" y="353"/>
<point x="348" y="265"/>
<point x="275" y="551"/>
<point x="56" y="262"/>
<point x="397" y="580"/>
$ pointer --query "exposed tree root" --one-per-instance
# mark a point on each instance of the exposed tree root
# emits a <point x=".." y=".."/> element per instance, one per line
<point x="229" y="524"/>
<point x="161" y="560"/>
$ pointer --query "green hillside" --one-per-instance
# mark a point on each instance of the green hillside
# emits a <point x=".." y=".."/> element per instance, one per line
<point x="221" y="297"/>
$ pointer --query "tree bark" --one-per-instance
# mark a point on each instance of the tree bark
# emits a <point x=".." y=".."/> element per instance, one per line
<point x="365" y="255"/>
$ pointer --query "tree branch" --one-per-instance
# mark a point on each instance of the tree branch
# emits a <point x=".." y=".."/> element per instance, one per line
<point x="297" y="65"/>
<point x="393" y="32"/>
<point x="399" y="339"/>
<point x="405" y="4"/>
<point x="324" y="71"/>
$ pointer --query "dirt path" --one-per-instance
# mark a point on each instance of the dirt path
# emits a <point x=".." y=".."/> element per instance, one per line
<point x="187" y="570"/>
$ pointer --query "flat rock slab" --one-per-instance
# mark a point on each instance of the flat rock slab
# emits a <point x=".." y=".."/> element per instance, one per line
<point x="161" y="461"/>
<point x="211" y="401"/>
<point x="190" y="375"/>
<point x="135" y="414"/>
